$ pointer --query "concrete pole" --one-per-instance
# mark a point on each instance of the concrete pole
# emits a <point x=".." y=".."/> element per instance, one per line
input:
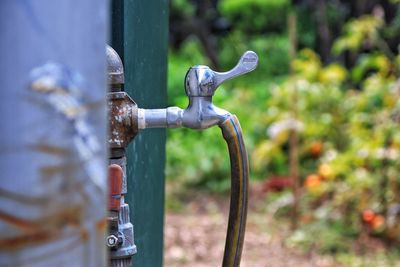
<point x="53" y="132"/>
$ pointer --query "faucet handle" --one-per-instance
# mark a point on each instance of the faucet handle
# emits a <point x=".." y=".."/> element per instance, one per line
<point x="248" y="62"/>
<point x="202" y="81"/>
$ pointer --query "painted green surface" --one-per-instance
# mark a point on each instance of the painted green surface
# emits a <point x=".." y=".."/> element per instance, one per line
<point x="145" y="46"/>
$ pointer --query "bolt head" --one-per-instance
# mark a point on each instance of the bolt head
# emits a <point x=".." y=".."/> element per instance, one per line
<point x="112" y="241"/>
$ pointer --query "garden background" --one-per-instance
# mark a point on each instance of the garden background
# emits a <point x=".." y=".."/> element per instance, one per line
<point x="320" y="116"/>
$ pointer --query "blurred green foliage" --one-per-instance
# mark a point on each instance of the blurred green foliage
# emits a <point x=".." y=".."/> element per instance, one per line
<point x="347" y="116"/>
<point x="357" y="32"/>
<point x="256" y="15"/>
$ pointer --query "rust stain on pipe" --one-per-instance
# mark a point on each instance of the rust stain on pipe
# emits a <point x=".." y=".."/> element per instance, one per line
<point x="51" y="149"/>
<point x="27" y="239"/>
<point x="84" y="235"/>
<point x="42" y="230"/>
<point x="17" y="222"/>
<point x="101" y="225"/>
<point x="47" y="171"/>
<point x="31" y="200"/>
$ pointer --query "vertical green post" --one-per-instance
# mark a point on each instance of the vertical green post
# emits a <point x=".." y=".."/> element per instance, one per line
<point x="142" y="41"/>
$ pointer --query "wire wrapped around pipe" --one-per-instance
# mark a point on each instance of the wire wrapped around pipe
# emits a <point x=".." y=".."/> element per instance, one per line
<point x="232" y="134"/>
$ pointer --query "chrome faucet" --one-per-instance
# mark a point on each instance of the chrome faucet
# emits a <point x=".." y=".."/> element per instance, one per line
<point x="201" y="82"/>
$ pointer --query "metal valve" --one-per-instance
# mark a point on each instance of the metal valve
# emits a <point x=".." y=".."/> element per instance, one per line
<point x="200" y="84"/>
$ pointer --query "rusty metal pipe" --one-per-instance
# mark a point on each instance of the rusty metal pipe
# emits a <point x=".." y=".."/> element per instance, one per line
<point x="123" y="127"/>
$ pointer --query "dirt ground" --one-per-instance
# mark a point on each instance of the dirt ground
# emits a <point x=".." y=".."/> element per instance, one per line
<point x="196" y="238"/>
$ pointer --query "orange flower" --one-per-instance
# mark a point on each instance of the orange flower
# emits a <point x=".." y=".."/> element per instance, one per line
<point x="378" y="222"/>
<point x="316" y="148"/>
<point x="368" y="216"/>
<point x="312" y="180"/>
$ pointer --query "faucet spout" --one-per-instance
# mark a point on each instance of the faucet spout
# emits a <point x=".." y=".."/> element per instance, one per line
<point x="201" y="113"/>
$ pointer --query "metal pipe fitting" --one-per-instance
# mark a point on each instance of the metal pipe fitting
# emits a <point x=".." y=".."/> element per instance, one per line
<point x="123" y="128"/>
<point x="115" y="70"/>
<point x="170" y="117"/>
